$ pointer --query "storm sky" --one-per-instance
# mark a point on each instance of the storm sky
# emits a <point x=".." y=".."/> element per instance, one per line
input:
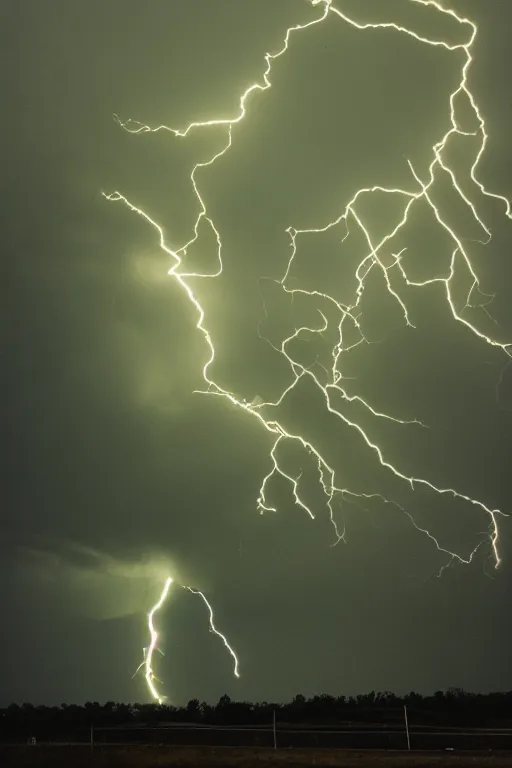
<point x="118" y="475"/>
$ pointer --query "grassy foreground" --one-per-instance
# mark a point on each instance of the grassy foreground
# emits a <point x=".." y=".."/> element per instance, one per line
<point x="80" y="756"/>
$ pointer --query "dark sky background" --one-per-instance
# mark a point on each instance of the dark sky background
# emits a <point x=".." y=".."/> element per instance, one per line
<point x="116" y="473"/>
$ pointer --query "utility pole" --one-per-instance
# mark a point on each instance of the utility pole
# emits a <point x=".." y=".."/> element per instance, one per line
<point x="407" y="728"/>
<point x="275" y="734"/>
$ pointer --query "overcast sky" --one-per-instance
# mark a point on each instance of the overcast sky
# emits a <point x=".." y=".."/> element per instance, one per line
<point x="118" y="475"/>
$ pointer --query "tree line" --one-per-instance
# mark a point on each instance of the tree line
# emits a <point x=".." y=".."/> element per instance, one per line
<point x="451" y="707"/>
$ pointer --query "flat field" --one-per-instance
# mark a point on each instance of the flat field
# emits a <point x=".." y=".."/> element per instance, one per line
<point x="81" y="756"/>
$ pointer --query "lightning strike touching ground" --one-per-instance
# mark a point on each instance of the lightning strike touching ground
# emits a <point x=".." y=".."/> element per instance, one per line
<point x="147" y="663"/>
<point x="328" y="381"/>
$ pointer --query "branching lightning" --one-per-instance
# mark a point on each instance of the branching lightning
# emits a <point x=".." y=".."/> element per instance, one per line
<point x="329" y="383"/>
<point x="147" y="663"/>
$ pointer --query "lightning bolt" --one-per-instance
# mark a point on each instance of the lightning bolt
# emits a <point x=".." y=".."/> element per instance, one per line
<point x="328" y="381"/>
<point x="215" y="631"/>
<point x="147" y="664"/>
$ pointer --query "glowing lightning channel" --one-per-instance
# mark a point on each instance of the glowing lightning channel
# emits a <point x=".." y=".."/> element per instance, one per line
<point x="332" y="389"/>
<point x="215" y="631"/>
<point x="147" y="663"/>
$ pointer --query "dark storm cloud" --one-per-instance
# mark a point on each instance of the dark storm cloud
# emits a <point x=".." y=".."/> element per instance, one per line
<point x="111" y="454"/>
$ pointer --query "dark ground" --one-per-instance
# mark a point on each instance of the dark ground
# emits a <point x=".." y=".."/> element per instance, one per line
<point x="65" y="756"/>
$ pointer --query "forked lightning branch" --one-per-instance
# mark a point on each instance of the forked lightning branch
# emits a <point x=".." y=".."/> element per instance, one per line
<point x="330" y="384"/>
